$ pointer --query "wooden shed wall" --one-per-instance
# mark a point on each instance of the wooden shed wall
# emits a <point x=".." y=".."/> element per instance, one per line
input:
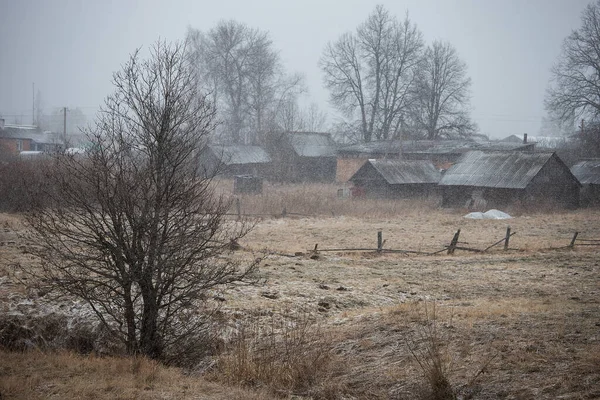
<point x="554" y="185"/>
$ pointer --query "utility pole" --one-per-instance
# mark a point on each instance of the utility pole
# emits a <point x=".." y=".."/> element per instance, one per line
<point x="33" y="104"/>
<point x="64" y="124"/>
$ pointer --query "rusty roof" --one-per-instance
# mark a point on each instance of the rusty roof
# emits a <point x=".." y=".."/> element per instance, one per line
<point x="399" y="172"/>
<point x="240" y="154"/>
<point x="587" y="172"/>
<point x="507" y="170"/>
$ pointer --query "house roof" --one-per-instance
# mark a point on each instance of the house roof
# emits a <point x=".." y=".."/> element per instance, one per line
<point x="432" y="147"/>
<point x="587" y="172"/>
<point x="29" y="132"/>
<point x="240" y="154"/>
<point x="507" y="170"/>
<point x="512" y="139"/>
<point x="312" y="144"/>
<point x="398" y="172"/>
<point x="377" y="147"/>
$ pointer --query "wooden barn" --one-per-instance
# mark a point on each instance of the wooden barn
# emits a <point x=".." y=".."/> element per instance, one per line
<point x="498" y="179"/>
<point x="396" y="179"/>
<point x="305" y="157"/>
<point x="588" y="174"/>
<point x="236" y="160"/>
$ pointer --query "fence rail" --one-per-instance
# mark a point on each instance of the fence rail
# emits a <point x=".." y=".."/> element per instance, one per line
<point x="454" y="244"/>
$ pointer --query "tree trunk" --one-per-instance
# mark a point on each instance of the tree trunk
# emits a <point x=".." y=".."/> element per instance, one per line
<point x="131" y="343"/>
<point x="150" y="340"/>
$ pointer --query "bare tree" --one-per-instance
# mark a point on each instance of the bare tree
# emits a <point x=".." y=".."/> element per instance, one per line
<point x="315" y="119"/>
<point x="575" y="86"/>
<point x="135" y="229"/>
<point x="370" y="73"/>
<point x="292" y="118"/>
<point x="245" y="75"/>
<point x="442" y="94"/>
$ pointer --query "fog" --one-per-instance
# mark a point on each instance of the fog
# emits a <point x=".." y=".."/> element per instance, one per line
<point x="69" y="49"/>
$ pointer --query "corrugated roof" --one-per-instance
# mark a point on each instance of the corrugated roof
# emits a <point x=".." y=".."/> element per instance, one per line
<point x="378" y="147"/>
<point x="432" y="147"/>
<point x="397" y="172"/>
<point x="512" y="170"/>
<point x="240" y="154"/>
<point x="312" y="144"/>
<point x="587" y="172"/>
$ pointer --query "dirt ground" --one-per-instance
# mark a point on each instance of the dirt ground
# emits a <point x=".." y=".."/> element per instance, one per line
<point x="518" y="324"/>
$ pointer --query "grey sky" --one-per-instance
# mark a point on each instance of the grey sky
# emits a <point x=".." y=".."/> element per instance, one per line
<point x="70" y="48"/>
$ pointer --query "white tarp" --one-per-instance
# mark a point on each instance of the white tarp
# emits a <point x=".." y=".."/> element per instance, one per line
<point x="490" y="214"/>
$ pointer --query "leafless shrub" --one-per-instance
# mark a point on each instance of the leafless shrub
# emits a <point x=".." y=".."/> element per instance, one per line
<point x="289" y="356"/>
<point x="51" y="332"/>
<point x="21" y="182"/>
<point x="430" y="346"/>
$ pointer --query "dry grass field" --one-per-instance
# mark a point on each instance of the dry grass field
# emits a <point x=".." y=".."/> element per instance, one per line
<point x="516" y="324"/>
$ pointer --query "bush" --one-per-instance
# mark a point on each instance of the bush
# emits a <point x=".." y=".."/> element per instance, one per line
<point x="287" y="355"/>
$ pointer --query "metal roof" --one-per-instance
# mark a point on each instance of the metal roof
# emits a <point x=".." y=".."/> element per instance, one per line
<point x="587" y="172"/>
<point x="29" y="132"/>
<point x="312" y="144"/>
<point x="432" y="147"/>
<point x="398" y="172"/>
<point x="377" y="147"/>
<point x="240" y="154"/>
<point x="505" y="170"/>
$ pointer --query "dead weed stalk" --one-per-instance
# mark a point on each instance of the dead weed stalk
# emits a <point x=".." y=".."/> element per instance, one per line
<point x="290" y="356"/>
<point x="430" y="346"/>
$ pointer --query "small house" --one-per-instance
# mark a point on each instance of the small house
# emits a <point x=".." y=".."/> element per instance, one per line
<point x="396" y="178"/>
<point x="497" y="179"/>
<point x="588" y="174"/>
<point x="17" y="138"/>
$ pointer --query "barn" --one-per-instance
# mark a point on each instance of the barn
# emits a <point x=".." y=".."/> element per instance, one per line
<point x="236" y="160"/>
<point x="497" y="179"/>
<point x="305" y="157"/>
<point x="396" y="178"/>
<point x="588" y="174"/>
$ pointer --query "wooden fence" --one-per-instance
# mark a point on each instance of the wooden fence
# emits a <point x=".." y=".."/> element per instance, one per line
<point x="454" y="244"/>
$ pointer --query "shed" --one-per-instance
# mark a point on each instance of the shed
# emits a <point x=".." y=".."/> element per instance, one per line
<point x="588" y="174"/>
<point x="247" y="184"/>
<point x="236" y="160"/>
<point x="498" y="179"/>
<point x="305" y="157"/>
<point x="397" y="178"/>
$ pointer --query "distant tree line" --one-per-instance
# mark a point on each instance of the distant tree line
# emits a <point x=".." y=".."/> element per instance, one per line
<point x="246" y="80"/>
<point x="383" y="79"/>
<point x="388" y="84"/>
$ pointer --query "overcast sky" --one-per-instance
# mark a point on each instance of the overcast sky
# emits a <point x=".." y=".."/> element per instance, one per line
<point x="70" y="48"/>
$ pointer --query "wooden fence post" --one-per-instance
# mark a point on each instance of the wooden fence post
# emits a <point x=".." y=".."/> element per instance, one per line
<point x="238" y="208"/>
<point x="573" y="240"/>
<point x="379" y="241"/>
<point x="507" y="238"/>
<point x="453" y="242"/>
<point x="284" y="213"/>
